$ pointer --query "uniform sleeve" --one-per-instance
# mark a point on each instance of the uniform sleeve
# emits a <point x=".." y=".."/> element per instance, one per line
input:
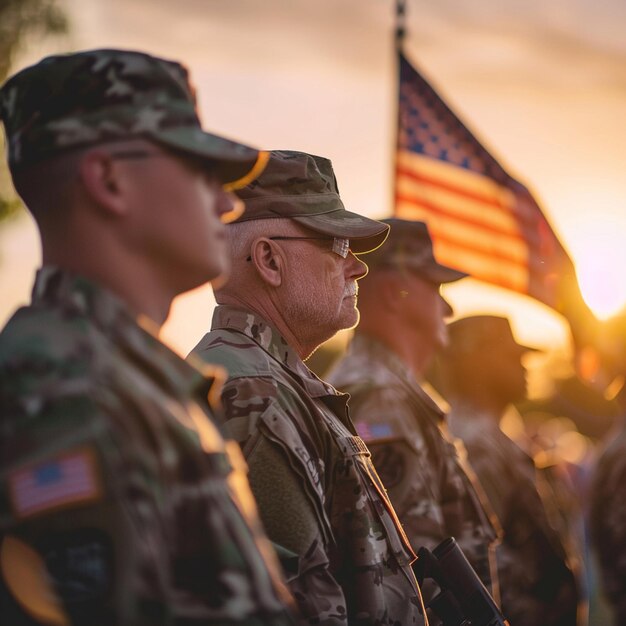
<point x="286" y="480"/>
<point x="404" y="462"/>
<point x="82" y="509"/>
<point x="608" y="526"/>
<point x="492" y="472"/>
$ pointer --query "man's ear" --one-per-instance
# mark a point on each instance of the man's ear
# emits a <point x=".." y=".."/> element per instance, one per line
<point x="268" y="261"/>
<point x="100" y="177"/>
<point x="392" y="291"/>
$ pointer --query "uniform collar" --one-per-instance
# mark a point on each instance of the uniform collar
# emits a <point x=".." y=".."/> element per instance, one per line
<point x="271" y="341"/>
<point x="378" y="352"/>
<point x="78" y="296"/>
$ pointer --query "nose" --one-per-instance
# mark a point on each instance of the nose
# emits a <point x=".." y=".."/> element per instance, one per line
<point x="228" y="206"/>
<point x="355" y="268"/>
<point x="448" y="311"/>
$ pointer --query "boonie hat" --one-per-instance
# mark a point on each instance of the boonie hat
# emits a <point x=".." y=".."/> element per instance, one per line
<point x="409" y="246"/>
<point x="96" y="96"/>
<point x="303" y="187"/>
<point x="478" y="334"/>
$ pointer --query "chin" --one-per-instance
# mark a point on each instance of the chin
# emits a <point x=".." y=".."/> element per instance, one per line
<point x="350" y="320"/>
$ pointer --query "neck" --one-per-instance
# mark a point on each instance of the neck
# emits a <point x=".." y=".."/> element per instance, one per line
<point x="406" y="344"/>
<point x="130" y="279"/>
<point x="265" y="309"/>
<point x="480" y="402"/>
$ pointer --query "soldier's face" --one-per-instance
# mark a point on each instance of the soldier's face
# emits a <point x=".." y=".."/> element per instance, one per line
<point x="425" y="310"/>
<point x="321" y="288"/>
<point x="182" y="210"/>
<point x="502" y="372"/>
<point x="511" y="376"/>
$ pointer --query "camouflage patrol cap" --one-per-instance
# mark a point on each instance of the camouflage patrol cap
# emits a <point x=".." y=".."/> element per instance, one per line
<point x="410" y="246"/>
<point x="478" y="334"/>
<point x="97" y="96"/>
<point x="303" y="187"/>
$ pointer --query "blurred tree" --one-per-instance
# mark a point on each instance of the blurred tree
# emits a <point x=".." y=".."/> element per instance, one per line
<point x="19" y="21"/>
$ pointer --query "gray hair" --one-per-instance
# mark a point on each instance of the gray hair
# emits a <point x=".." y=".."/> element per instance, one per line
<point x="241" y="235"/>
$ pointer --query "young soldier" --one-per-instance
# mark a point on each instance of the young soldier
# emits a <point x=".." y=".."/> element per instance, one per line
<point x="120" y="501"/>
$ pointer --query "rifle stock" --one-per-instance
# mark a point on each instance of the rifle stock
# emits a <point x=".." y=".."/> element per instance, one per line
<point x="463" y="600"/>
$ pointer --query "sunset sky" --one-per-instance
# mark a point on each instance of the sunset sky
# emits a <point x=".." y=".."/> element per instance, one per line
<point x="543" y="85"/>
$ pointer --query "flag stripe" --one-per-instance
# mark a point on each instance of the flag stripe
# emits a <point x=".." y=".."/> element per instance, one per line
<point x="499" y="208"/>
<point x="466" y="182"/>
<point x="464" y="236"/>
<point x="482" y="267"/>
<point x="484" y="196"/>
<point x="482" y="220"/>
<point x="456" y="210"/>
<point x="507" y="271"/>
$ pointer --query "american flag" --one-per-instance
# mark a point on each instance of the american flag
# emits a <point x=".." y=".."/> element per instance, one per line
<point x="482" y="220"/>
<point x="68" y="479"/>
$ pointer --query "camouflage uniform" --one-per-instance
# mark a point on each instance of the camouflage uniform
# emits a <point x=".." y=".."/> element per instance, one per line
<point x="418" y="464"/>
<point x="318" y="493"/>
<point x="120" y="502"/>
<point x="608" y="523"/>
<point x="538" y="586"/>
<point x="113" y="471"/>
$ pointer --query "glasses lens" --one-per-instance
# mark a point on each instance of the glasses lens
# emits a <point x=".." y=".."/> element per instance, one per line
<point x="341" y="247"/>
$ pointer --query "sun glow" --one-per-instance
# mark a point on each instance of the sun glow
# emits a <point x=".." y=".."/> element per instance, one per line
<point x="602" y="281"/>
<point x="600" y="258"/>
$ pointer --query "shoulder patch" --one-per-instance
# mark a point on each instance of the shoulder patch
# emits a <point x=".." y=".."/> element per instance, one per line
<point x="371" y="432"/>
<point x="67" y="479"/>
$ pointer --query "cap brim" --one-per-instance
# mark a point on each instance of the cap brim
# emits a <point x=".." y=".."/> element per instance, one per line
<point x="365" y="234"/>
<point x="236" y="164"/>
<point x="523" y="349"/>
<point x="438" y="273"/>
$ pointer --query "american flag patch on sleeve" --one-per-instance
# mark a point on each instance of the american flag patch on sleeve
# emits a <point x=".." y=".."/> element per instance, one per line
<point x="69" y="479"/>
<point x="371" y="432"/>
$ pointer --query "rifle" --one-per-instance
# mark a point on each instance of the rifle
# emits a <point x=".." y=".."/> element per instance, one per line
<point x="463" y="600"/>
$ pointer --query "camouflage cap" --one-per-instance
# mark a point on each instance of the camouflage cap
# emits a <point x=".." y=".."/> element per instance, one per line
<point x="77" y="100"/>
<point x="303" y="187"/>
<point x="479" y="333"/>
<point x="410" y="246"/>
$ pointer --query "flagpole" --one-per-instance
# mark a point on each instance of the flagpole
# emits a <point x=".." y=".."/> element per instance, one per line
<point x="399" y="34"/>
<point x="400" y="23"/>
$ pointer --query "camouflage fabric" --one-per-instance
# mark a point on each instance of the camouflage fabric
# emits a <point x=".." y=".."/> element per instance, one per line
<point x="97" y="96"/>
<point x="303" y="187"/>
<point x="538" y="586"/>
<point x="114" y="473"/>
<point x="419" y="466"/>
<point x="318" y="493"/>
<point x="608" y="523"/>
<point x="409" y="247"/>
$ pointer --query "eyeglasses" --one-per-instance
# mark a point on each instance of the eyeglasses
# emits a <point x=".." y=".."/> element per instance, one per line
<point x="341" y="246"/>
<point x="129" y="155"/>
<point x="195" y="162"/>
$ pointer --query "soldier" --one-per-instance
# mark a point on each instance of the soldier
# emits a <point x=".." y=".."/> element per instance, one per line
<point x="608" y="530"/>
<point x="120" y="501"/>
<point x="482" y="374"/>
<point x="294" y="285"/>
<point x="402" y="326"/>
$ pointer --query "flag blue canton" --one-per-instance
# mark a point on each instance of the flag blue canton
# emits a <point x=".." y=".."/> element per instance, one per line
<point x="68" y="479"/>
<point x="428" y="126"/>
<point x="48" y="474"/>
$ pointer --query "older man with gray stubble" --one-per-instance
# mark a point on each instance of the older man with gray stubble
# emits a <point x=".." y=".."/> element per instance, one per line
<point x="294" y="285"/>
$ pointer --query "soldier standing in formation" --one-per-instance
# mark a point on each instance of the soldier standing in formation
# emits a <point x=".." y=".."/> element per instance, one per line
<point x="294" y="285"/>
<point x="608" y="522"/>
<point x="402" y="326"/>
<point x="120" y="501"/>
<point x="482" y="374"/>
